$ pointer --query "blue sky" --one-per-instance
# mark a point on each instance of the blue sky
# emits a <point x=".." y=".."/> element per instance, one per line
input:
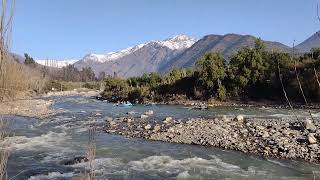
<point x="62" y="29"/>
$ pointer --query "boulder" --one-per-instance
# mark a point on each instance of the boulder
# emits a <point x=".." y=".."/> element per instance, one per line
<point x="98" y="114"/>
<point x="131" y="113"/>
<point x="109" y="119"/>
<point x="143" y="116"/>
<point x="313" y="146"/>
<point x="157" y="128"/>
<point x="265" y="134"/>
<point x="147" y="127"/>
<point x="150" y="112"/>
<point x="312" y="139"/>
<point x="112" y="123"/>
<point x="129" y="120"/>
<point x="168" y="120"/>
<point x="225" y="119"/>
<point x="308" y="124"/>
<point x="239" y="119"/>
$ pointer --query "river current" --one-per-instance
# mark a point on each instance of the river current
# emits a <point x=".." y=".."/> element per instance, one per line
<point x="40" y="146"/>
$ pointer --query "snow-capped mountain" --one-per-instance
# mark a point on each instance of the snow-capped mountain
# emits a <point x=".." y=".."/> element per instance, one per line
<point x="112" y="55"/>
<point x="162" y="56"/>
<point x="176" y="43"/>
<point x="227" y="44"/>
<point x="56" y="63"/>
<point x="139" y="59"/>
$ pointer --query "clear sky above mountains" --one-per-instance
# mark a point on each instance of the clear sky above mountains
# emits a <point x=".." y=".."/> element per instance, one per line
<point x="66" y="29"/>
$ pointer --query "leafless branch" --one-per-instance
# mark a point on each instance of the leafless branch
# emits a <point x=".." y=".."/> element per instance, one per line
<point x="298" y="79"/>
<point x="91" y="152"/>
<point x="285" y="92"/>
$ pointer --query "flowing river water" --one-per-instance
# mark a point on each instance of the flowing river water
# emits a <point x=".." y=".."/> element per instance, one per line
<point x="39" y="147"/>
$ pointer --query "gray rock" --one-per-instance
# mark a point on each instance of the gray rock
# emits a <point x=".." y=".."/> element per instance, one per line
<point x="108" y="119"/>
<point x="129" y="120"/>
<point x="244" y="131"/>
<point x="260" y="127"/>
<point x="143" y="116"/>
<point x="112" y="123"/>
<point x="239" y="119"/>
<point x="265" y="134"/>
<point x="150" y="112"/>
<point x="130" y="112"/>
<point x="313" y="146"/>
<point x="157" y="128"/>
<point x="267" y="137"/>
<point x="168" y="120"/>
<point x="98" y="114"/>
<point x="147" y="127"/>
<point x="225" y="119"/>
<point x="312" y="139"/>
<point x="308" y="124"/>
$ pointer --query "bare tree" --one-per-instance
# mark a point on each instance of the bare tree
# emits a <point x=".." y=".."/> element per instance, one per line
<point x="314" y="67"/>
<point x="5" y="31"/>
<point x="91" y="152"/>
<point x="285" y="92"/>
<point x="298" y="79"/>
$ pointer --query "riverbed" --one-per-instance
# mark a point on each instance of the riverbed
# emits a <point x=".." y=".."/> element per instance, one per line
<point x="40" y="146"/>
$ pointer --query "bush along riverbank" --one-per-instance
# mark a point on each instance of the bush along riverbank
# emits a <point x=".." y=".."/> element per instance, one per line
<point x="252" y="74"/>
<point x="283" y="139"/>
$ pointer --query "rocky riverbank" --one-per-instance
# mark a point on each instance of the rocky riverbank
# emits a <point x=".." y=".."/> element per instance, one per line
<point x="230" y="103"/>
<point x="77" y="92"/>
<point x="214" y="103"/>
<point x="283" y="139"/>
<point x="38" y="108"/>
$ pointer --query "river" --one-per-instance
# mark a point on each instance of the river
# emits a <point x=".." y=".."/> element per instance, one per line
<point x="39" y="147"/>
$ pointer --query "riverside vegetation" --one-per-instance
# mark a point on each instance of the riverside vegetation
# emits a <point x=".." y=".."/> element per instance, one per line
<point x="251" y="74"/>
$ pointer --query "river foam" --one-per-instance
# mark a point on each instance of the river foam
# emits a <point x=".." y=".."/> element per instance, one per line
<point x="51" y="140"/>
<point x="184" y="168"/>
<point x="52" y="175"/>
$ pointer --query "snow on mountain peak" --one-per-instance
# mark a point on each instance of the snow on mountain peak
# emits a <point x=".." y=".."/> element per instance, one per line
<point x="112" y="55"/>
<point x="176" y="43"/>
<point x="182" y="37"/>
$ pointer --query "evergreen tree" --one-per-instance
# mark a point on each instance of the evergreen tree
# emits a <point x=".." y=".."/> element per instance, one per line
<point x="29" y="60"/>
<point x="211" y="71"/>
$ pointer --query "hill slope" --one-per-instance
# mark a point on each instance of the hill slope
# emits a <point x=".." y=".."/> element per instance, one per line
<point x="137" y="60"/>
<point x="226" y="44"/>
<point x="311" y="42"/>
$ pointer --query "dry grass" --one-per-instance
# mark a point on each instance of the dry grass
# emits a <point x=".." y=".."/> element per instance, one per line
<point x="91" y="153"/>
<point x="89" y="173"/>
<point x="5" y="73"/>
<point x="15" y="78"/>
<point x="4" y="149"/>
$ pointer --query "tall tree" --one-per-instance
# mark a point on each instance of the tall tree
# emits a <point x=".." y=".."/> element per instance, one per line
<point x="211" y="71"/>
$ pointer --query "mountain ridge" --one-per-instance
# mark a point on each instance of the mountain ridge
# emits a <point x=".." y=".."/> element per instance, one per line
<point x="139" y="59"/>
<point x="227" y="44"/>
<point x="309" y="43"/>
<point x="180" y="51"/>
